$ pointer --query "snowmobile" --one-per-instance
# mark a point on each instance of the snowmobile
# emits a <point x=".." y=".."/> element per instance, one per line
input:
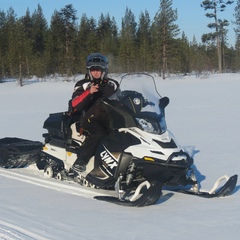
<point x="137" y="158"/>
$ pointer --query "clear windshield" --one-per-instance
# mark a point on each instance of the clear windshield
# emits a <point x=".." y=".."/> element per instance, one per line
<point x="145" y="101"/>
<point x="144" y="84"/>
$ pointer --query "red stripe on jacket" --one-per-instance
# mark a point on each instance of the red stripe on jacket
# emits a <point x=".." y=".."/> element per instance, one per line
<point x="80" y="98"/>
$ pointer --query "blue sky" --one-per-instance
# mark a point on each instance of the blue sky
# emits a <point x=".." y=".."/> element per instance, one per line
<point x="191" y="17"/>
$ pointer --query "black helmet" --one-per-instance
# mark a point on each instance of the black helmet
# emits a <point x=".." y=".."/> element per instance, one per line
<point x="99" y="61"/>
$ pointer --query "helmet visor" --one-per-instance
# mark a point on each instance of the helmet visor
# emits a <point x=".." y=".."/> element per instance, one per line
<point x="97" y="60"/>
<point x="96" y="68"/>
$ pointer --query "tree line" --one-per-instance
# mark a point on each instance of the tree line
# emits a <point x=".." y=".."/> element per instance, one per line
<point x="30" y="46"/>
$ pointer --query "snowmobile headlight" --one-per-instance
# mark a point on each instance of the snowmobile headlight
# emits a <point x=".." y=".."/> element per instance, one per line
<point x="180" y="158"/>
<point x="155" y="126"/>
<point x="147" y="126"/>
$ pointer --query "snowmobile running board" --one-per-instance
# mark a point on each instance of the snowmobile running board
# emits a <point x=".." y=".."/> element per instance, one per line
<point x="153" y="194"/>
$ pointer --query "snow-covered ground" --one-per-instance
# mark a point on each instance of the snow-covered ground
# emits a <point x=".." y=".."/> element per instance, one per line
<point x="203" y="115"/>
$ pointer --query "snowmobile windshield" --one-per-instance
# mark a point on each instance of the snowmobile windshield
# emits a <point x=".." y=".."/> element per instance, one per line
<point x="139" y="94"/>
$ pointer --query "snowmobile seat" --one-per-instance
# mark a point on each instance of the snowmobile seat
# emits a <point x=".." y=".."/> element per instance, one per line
<point x="63" y="129"/>
<point x="59" y="133"/>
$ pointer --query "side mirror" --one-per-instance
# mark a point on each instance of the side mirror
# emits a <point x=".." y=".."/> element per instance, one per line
<point x="163" y="102"/>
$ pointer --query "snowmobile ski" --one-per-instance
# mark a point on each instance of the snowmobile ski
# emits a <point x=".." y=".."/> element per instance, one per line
<point x="152" y="195"/>
<point x="149" y="197"/>
<point x="223" y="191"/>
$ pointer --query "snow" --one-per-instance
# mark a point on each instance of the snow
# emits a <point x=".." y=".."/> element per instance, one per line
<point x="203" y="115"/>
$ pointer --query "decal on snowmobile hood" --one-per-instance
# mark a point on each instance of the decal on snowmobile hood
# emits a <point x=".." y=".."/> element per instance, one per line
<point x="109" y="161"/>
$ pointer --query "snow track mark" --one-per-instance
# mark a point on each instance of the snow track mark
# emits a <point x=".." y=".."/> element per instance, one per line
<point x="53" y="184"/>
<point x="12" y="232"/>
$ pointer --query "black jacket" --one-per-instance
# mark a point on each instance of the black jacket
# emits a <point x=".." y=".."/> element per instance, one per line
<point x="82" y="100"/>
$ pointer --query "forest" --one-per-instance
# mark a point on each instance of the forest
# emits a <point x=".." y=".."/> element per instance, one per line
<point x="30" y="46"/>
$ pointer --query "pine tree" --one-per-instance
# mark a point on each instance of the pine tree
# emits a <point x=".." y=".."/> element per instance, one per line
<point x="11" y="43"/>
<point x="144" y="43"/>
<point x="56" y="44"/>
<point x="87" y="40"/>
<point x="166" y="29"/>
<point x="237" y="23"/>
<point x="237" y="34"/>
<point x="196" y="57"/>
<point x="107" y="38"/>
<point x="28" y="30"/>
<point x="184" y="54"/>
<point x="106" y="31"/>
<point x="127" y="42"/>
<point x="218" y="25"/>
<point x="68" y="16"/>
<point x="21" y="48"/>
<point x="3" y="47"/>
<point x="40" y="29"/>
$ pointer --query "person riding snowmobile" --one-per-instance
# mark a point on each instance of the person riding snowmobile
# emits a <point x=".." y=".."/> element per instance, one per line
<point x="85" y="103"/>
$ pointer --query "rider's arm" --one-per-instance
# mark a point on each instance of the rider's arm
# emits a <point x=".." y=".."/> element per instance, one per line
<point x="81" y="96"/>
<point x="110" y="88"/>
